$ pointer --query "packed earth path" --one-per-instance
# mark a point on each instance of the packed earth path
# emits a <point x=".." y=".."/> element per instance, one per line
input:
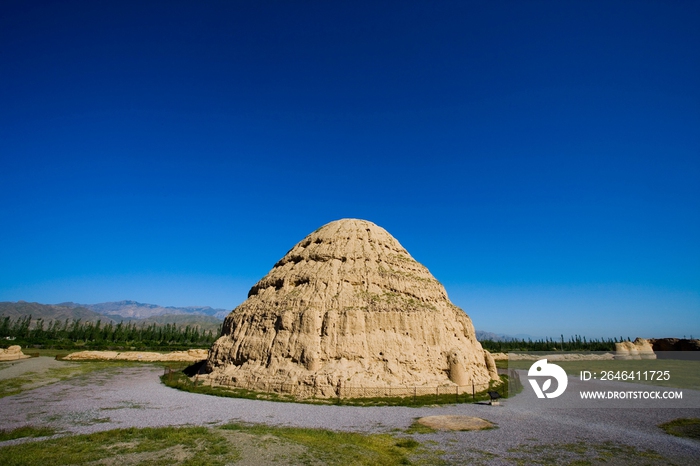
<point x="122" y="397"/>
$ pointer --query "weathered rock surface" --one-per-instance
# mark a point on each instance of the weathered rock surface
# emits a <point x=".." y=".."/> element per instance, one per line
<point x="639" y="349"/>
<point x="349" y="306"/>
<point x="192" y="355"/>
<point x="491" y="365"/>
<point x="12" y="353"/>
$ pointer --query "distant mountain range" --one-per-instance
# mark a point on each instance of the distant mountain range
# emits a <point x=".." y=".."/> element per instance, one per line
<point x="49" y="312"/>
<point x="481" y="336"/>
<point x="206" y="318"/>
<point x="136" y="310"/>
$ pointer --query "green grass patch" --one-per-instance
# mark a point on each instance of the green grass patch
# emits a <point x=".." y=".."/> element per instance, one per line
<point x="340" y="448"/>
<point x="52" y="353"/>
<point x="153" y="446"/>
<point x="230" y="443"/>
<point x="221" y="445"/>
<point x="503" y="364"/>
<point x="25" y="431"/>
<point x="683" y="427"/>
<point x="13" y="386"/>
<point x="583" y="453"/>
<point x="180" y="381"/>
<point x="418" y="428"/>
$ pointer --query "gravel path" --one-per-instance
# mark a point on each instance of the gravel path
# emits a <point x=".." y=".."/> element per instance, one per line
<point x="128" y="397"/>
<point x="12" y="369"/>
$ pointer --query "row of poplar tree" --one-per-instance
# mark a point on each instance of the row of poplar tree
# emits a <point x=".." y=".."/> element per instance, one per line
<point x="574" y="343"/>
<point x="66" y="334"/>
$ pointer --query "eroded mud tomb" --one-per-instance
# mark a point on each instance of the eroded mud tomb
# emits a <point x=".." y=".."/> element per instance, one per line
<point x="348" y="307"/>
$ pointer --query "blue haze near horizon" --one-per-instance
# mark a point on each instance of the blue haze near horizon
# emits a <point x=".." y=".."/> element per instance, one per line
<point x="542" y="159"/>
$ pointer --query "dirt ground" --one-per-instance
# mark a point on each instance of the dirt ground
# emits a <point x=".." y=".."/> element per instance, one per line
<point x="133" y="396"/>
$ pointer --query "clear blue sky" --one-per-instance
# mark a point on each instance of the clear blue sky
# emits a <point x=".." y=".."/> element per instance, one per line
<point x="542" y="159"/>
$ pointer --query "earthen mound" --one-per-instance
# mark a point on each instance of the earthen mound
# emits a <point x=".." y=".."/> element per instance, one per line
<point x="638" y="349"/>
<point x="12" y="353"/>
<point x="348" y="306"/>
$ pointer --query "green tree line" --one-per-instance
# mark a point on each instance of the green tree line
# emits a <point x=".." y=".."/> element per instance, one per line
<point x="68" y="334"/>
<point x="574" y="343"/>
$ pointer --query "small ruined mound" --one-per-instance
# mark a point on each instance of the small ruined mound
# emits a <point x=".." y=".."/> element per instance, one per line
<point x="192" y="355"/>
<point x="348" y="306"/>
<point x="12" y="353"/>
<point x="638" y="349"/>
